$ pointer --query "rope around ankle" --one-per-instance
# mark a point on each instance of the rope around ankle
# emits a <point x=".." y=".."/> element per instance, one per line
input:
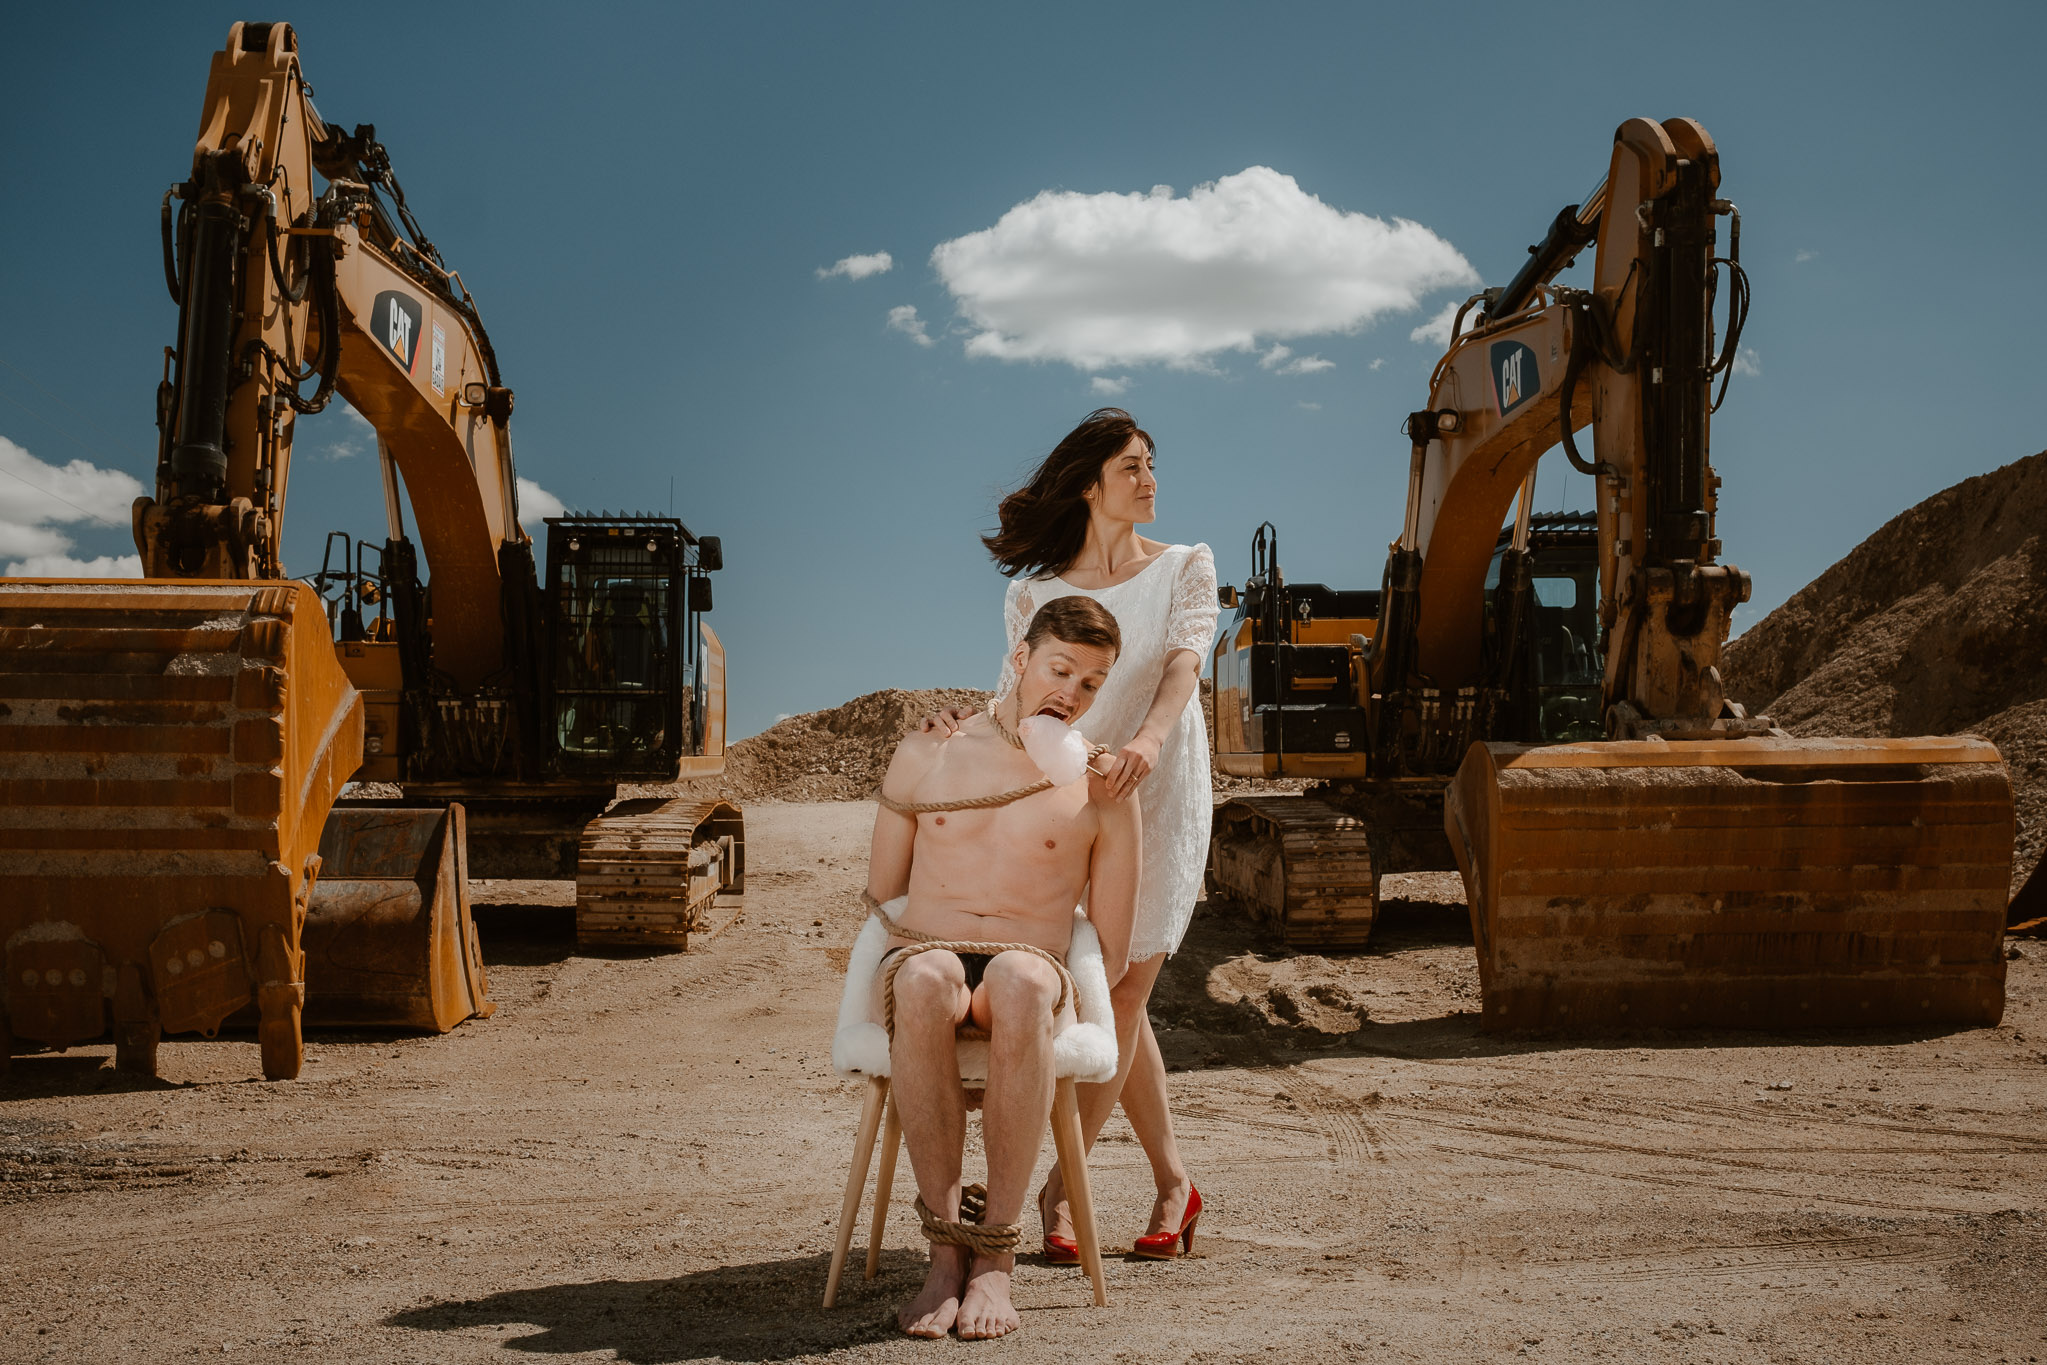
<point x="983" y="1239"/>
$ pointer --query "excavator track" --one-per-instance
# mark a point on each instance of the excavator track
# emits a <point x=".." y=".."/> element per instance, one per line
<point x="650" y="873"/>
<point x="1755" y="883"/>
<point x="1299" y="864"/>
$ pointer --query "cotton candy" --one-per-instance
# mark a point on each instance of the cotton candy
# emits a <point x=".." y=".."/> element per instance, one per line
<point x="1057" y="749"/>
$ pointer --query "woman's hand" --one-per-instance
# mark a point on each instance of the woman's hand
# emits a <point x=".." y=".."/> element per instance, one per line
<point x="1132" y="764"/>
<point x="945" y="723"/>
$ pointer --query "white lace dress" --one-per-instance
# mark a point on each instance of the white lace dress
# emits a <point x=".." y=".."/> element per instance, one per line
<point x="1169" y="605"/>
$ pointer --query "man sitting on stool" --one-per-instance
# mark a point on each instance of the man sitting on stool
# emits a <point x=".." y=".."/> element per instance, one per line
<point x="1008" y="875"/>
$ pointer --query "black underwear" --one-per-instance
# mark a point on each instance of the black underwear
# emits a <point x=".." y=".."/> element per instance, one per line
<point x="975" y="964"/>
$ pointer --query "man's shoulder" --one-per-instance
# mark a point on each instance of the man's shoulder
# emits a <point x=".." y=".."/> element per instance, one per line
<point x="915" y="754"/>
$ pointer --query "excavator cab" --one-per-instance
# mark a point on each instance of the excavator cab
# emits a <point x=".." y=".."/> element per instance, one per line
<point x="1558" y="641"/>
<point x="626" y="669"/>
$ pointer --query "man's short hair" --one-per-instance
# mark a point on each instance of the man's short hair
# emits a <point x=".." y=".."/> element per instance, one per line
<point x="1075" y="621"/>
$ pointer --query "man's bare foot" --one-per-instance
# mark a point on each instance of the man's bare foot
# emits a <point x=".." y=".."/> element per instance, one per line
<point x="1053" y="1210"/>
<point x="986" y="1311"/>
<point x="1169" y="1209"/>
<point x="937" y="1305"/>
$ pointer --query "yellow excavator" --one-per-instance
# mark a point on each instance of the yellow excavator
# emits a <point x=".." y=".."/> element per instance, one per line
<point x="1536" y="699"/>
<point x="175" y="849"/>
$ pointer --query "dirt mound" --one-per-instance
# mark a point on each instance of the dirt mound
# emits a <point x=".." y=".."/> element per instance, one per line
<point x="1937" y="624"/>
<point x="835" y="755"/>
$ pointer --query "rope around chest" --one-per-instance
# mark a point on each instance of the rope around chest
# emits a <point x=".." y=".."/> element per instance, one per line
<point x="1094" y="751"/>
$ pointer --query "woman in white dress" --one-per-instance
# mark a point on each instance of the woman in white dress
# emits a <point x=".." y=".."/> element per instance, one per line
<point x="1072" y="529"/>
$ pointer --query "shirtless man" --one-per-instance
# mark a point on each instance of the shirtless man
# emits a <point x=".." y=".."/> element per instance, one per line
<point x="1010" y="874"/>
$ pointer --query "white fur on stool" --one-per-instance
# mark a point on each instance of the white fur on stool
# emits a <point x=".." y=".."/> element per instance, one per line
<point x="1084" y="1050"/>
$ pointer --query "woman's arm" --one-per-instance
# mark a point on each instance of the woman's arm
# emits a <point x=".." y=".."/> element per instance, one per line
<point x="1135" y="760"/>
<point x="1113" y="871"/>
<point x="1190" y="629"/>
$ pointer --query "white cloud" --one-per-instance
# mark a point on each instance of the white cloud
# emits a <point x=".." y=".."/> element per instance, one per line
<point x="64" y="566"/>
<point x="1378" y="363"/>
<point x="1110" y="388"/>
<point x="536" y="504"/>
<point x="858" y="267"/>
<point x="1748" y="362"/>
<point x="1806" y="254"/>
<point x="38" y="499"/>
<point x="1309" y="407"/>
<point x="903" y="318"/>
<point x="357" y="436"/>
<point x="1436" y="331"/>
<point x="1096" y="280"/>
<point x="1274" y="356"/>
<point x="1307" y="364"/>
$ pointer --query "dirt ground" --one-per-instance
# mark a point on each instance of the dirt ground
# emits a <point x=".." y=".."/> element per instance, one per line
<point x="639" y="1158"/>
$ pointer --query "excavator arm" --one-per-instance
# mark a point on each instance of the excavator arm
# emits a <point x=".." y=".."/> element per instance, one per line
<point x="280" y="288"/>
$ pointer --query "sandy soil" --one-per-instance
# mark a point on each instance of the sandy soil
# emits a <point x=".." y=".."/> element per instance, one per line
<point x="639" y="1159"/>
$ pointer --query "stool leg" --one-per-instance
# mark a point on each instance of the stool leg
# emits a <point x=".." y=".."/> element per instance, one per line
<point x="856" y="1181"/>
<point x="1073" y="1168"/>
<point x="884" y="1183"/>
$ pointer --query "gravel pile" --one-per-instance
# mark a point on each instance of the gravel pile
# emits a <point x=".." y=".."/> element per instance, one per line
<point x="1935" y="625"/>
<point x="835" y="755"/>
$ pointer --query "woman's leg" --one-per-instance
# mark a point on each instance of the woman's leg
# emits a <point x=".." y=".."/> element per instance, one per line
<point x="1140" y="1085"/>
<point x="1145" y="1105"/>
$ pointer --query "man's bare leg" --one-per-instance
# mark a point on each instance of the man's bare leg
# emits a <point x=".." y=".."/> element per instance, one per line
<point x="1014" y="1003"/>
<point x="931" y="1002"/>
<point x="1140" y="1086"/>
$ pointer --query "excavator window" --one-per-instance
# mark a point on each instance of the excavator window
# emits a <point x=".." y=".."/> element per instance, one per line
<point x="1561" y="634"/>
<point x="622" y="661"/>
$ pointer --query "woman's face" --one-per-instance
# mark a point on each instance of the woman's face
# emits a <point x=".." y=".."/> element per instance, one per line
<point x="1127" y="489"/>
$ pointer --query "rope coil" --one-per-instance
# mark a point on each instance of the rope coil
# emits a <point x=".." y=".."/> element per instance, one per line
<point x="922" y="944"/>
<point x="983" y="1239"/>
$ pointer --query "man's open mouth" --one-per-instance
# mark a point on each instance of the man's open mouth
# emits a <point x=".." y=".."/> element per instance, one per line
<point x="1052" y="709"/>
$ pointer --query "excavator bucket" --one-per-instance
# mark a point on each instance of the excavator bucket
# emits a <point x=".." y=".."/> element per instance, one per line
<point x="169" y="751"/>
<point x="389" y="941"/>
<point x="1753" y="883"/>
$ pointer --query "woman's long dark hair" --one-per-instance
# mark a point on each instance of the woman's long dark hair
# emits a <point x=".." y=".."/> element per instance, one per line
<point x="1044" y="523"/>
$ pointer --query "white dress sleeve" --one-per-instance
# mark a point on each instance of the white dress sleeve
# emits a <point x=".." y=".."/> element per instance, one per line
<point x="1190" y="620"/>
<point x="1017" y="610"/>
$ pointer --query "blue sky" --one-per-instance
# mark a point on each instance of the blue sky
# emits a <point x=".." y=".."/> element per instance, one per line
<point x="641" y="197"/>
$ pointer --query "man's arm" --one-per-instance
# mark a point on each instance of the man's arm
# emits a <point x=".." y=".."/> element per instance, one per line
<point x="1113" y="872"/>
<point x="890" y="851"/>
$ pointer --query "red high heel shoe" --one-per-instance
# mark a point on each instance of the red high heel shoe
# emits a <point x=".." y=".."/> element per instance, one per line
<point x="1058" y="1250"/>
<point x="1164" y="1246"/>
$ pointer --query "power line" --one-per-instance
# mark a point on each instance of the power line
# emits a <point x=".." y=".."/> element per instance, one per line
<point x="103" y="519"/>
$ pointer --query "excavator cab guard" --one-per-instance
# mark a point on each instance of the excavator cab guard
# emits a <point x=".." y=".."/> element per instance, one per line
<point x="626" y="671"/>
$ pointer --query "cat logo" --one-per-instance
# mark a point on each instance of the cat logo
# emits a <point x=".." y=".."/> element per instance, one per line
<point x="397" y="318"/>
<point x="1515" y="378"/>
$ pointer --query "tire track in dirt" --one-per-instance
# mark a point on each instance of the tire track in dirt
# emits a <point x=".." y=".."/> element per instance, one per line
<point x="1681" y="1183"/>
<point x="1741" y="1259"/>
<point x="1748" y="1156"/>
